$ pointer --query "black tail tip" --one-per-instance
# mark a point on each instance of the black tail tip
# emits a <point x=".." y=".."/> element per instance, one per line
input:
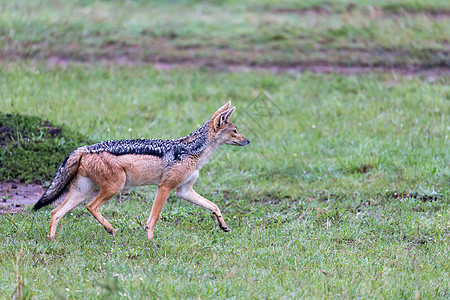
<point x="38" y="205"/>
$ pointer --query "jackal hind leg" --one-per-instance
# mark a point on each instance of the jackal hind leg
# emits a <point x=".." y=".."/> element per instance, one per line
<point x="162" y="194"/>
<point x="82" y="187"/>
<point x="187" y="193"/>
<point x="106" y="192"/>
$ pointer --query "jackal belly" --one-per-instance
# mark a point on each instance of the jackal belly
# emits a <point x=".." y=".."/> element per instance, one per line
<point x="142" y="169"/>
<point x="104" y="168"/>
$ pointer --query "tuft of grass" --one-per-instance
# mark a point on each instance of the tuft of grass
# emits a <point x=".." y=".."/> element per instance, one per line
<point x="31" y="148"/>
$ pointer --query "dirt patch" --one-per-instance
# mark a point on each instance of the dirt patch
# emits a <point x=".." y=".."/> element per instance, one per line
<point x="313" y="10"/>
<point x="14" y="196"/>
<point x="432" y="12"/>
<point x="369" y="11"/>
<point x="164" y="55"/>
<point x="429" y="72"/>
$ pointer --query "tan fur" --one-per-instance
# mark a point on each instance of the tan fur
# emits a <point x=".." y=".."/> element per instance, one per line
<point x="112" y="173"/>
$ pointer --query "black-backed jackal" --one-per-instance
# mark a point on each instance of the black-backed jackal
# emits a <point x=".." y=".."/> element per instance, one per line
<point x="113" y="165"/>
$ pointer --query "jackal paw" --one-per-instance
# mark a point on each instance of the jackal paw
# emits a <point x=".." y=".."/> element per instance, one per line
<point x="224" y="228"/>
<point x="111" y="231"/>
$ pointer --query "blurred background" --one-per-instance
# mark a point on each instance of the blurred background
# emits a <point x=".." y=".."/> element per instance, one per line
<point x="403" y="36"/>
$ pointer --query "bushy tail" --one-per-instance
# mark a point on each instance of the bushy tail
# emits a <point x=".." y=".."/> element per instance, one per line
<point x="66" y="172"/>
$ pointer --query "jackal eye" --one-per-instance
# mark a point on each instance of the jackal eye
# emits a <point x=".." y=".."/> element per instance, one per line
<point x="234" y="130"/>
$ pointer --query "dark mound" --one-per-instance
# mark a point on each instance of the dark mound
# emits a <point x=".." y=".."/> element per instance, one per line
<point x="31" y="149"/>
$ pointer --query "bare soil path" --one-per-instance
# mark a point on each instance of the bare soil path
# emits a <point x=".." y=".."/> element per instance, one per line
<point x="429" y="72"/>
<point x="14" y="196"/>
<point x="163" y="56"/>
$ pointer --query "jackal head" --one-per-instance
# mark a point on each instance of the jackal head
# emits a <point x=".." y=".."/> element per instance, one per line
<point x="225" y="132"/>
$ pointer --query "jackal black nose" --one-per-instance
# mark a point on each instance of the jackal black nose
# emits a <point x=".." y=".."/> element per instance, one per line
<point x="242" y="143"/>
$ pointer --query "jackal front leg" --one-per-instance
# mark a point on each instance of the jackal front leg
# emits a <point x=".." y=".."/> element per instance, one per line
<point x="186" y="192"/>
<point x="162" y="194"/>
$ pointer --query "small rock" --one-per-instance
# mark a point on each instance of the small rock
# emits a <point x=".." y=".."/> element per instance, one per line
<point x="13" y="186"/>
<point x="54" y="131"/>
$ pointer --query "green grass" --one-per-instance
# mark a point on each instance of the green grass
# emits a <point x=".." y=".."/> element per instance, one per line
<point x="31" y="149"/>
<point x="395" y="250"/>
<point x="258" y="33"/>
<point x="328" y="125"/>
<point x="343" y="191"/>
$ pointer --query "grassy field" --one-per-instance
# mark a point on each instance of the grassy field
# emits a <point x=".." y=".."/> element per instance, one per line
<point x="343" y="192"/>
<point x="288" y="33"/>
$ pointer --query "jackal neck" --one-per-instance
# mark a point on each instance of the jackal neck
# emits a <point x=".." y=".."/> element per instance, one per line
<point x="196" y="142"/>
<point x="201" y="144"/>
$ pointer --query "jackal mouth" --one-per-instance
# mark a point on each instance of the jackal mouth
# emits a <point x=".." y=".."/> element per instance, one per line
<point x="242" y="143"/>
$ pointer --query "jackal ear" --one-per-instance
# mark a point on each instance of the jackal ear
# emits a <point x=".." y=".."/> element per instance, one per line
<point x="223" y="118"/>
<point x="222" y="109"/>
<point x="229" y="113"/>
